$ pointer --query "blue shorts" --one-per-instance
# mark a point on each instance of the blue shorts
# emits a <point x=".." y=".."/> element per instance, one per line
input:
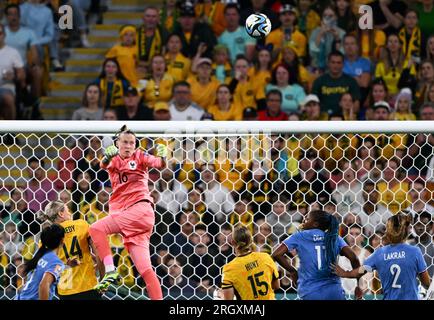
<point x="331" y="292"/>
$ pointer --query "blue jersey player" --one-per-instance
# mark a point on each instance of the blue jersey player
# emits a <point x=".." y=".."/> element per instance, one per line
<point x="44" y="269"/>
<point x="317" y="246"/>
<point x="398" y="264"/>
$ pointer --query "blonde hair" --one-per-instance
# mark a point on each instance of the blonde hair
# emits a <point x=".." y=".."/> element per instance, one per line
<point x="51" y="211"/>
<point x="397" y="228"/>
<point x="242" y="239"/>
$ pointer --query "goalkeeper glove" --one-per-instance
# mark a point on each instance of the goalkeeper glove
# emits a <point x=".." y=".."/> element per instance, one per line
<point x="161" y="150"/>
<point x="110" y="152"/>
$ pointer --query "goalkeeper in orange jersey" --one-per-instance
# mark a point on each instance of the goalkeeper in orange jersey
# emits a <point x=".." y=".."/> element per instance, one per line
<point x="78" y="281"/>
<point x="250" y="275"/>
<point x="131" y="209"/>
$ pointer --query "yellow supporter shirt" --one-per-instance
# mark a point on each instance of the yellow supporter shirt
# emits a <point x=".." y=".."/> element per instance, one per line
<point x="163" y="92"/>
<point x="245" y="94"/>
<point x="403" y="116"/>
<point x="395" y="199"/>
<point x="391" y="77"/>
<point x="82" y="277"/>
<point x="235" y="112"/>
<point x="203" y="95"/>
<point x="179" y="68"/>
<point x="260" y="80"/>
<point x="230" y="173"/>
<point x="251" y="276"/>
<point x="127" y="57"/>
<point x="277" y="36"/>
<point x="389" y="144"/>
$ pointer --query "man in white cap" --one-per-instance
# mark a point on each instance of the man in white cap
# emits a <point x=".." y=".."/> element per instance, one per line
<point x="311" y="109"/>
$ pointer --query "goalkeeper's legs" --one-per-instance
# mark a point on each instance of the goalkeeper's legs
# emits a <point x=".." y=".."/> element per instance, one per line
<point x="99" y="232"/>
<point x="141" y="259"/>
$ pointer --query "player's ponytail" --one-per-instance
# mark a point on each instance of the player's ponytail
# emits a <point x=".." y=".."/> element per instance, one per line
<point x="242" y="239"/>
<point x="51" y="238"/>
<point x="51" y="211"/>
<point x="397" y="228"/>
<point x="330" y="225"/>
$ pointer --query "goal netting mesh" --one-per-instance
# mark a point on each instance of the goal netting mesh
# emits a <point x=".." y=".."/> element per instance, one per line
<point x="267" y="179"/>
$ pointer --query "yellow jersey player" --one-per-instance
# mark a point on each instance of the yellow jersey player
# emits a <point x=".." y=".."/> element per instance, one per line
<point x="251" y="275"/>
<point x="77" y="282"/>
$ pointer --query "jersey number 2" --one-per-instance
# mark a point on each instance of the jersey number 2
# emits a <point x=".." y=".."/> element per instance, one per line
<point x="75" y="249"/>
<point x="395" y="270"/>
<point x="255" y="282"/>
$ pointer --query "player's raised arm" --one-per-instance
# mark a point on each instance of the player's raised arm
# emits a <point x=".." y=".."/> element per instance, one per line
<point x="109" y="153"/>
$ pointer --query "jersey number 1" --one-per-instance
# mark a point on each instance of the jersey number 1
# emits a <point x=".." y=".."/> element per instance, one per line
<point x="255" y="282"/>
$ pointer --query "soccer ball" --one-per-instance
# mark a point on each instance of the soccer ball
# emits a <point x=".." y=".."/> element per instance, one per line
<point x="258" y="25"/>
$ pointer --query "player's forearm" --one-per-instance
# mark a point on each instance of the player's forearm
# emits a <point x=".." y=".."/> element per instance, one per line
<point x="44" y="290"/>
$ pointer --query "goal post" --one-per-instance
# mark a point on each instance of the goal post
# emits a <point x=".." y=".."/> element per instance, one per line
<point x="266" y="175"/>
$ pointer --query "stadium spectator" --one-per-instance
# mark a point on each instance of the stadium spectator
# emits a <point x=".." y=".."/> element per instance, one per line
<point x="133" y="107"/>
<point x="280" y="220"/>
<point x="346" y="103"/>
<point x="161" y="112"/>
<point x="243" y="214"/>
<point x="178" y="66"/>
<point x="235" y="37"/>
<point x="11" y="239"/>
<point x="309" y="185"/>
<point x="292" y="93"/>
<point x="411" y="37"/>
<point x="421" y="145"/>
<point x="422" y="228"/>
<point x="372" y="215"/>
<point x="159" y="85"/>
<point x="176" y="284"/>
<point x="173" y="194"/>
<point x="223" y="242"/>
<point x="388" y="14"/>
<point x="273" y="111"/>
<point x="201" y="268"/>
<point x="194" y="33"/>
<point x="430" y="48"/>
<point x="261" y="69"/>
<point x="151" y="38"/>
<point x="426" y="81"/>
<point x="311" y="109"/>
<point x="12" y="70"/>
<point x="82" y="193"/>
<point x="355" y="240"/>
<point x="203" y="85"/>
<point x="250" y="114"/>
<point x="263" y="238"/>
<point x="348" y="194"/>
<point x="181" y="107"/>
<point x="356" y="66"/>
<point x="18" y="212"/>
<point x="419" y="199"/>
<point x="110" y="115"/>
<point x="25" y="41"/>
<point x="112" y="83"/>
<point x="403" y="106"/>
<point x="242" y="87"/>
<point x="89" y="163"/>
<point x="393" y="189"/>
<point x="377" y="93"/>
<point x="80" y="9"/>
<point x="91" y="104"/>
<point x="217" y="197"/>
<point x="308" y="18"/>
<point x="297" y="72"/>
<point x="98" y="208"/>
<point x="37" y="16"/>
<point x="325" y="39"/>
<point x="125" y="52"/>
<point x="392" y="64"/>
<point x="225" y="109"/>
<point x="221" y="67"/>
<point x="330" y="86"/>
<point x="425" y="11"/>
<point x="287" y="32"/>
<point x="346" y="19"/>
<point x="40" y="189"/>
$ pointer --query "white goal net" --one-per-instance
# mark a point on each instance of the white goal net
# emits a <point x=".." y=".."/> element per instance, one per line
<point x="264" y="175"/>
